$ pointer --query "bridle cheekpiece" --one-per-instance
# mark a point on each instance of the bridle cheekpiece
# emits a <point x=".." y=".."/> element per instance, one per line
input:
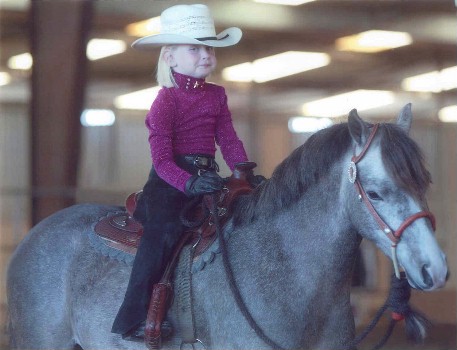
<point x="394" y="236"/>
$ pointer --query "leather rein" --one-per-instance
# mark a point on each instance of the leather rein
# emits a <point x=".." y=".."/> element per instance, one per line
<point x="394" y="236"/>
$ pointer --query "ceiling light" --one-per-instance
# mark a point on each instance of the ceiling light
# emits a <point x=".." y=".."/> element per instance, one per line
<point x="138" y="100"/>
<point x="435" y="81"/>
<point x="427" y="82"/>
<point x="16" y="5"/>
<point x="285" y="2"/>
<point x="144" y="28"/>
<point x="448" y="114"/>
<point x="308" y="124"/>
<point x="448" y="78"/>
<point x="276" y="66"/>
<point x="97" y="117"/>
<point x="373" y="41"/>
<point x="339" y="105"/>
<point x="5" y="78"/>
<point x="101" y="48"/>
<point x="23" y="61"/>
<point x="96" y="49"/>
<point x="241" y="72"/>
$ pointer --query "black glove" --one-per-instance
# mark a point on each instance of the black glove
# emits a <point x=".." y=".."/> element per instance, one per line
<point x="256" y="180"/>
<point x="207" y="182"/>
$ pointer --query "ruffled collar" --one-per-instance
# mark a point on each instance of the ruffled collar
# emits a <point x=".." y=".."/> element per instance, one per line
<point x="188" y="83"/>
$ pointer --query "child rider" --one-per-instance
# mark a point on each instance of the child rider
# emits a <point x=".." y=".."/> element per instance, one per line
<point x="185" y="121"/>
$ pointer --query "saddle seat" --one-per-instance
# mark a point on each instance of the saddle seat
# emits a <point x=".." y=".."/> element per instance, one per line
<point x="122" y="232"/>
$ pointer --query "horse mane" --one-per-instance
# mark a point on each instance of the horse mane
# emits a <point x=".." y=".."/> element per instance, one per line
<point x="312" y="161"/>
<point x="302" y="169"/>
<point x="404" y="160"/>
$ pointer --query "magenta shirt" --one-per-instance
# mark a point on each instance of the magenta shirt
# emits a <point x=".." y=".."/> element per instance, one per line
<point x="190" y="119"/>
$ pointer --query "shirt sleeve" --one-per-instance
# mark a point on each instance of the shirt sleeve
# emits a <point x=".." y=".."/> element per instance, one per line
<point x="160" y="123"/>
<point x="232" y="148"/>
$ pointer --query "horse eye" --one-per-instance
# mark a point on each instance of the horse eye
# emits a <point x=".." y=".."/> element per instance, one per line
<point x="374" y="196"/>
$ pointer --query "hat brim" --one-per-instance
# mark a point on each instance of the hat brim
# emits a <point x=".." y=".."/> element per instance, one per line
<point x="228" y="37"/>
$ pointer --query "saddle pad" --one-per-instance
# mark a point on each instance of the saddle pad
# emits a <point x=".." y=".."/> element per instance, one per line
<point x="120" y="231"/>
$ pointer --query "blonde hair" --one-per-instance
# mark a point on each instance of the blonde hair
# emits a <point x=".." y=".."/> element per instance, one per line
<point x="164" y="74"/>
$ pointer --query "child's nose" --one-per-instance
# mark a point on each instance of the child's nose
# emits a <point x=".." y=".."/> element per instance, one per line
<point x="204" y="52"/>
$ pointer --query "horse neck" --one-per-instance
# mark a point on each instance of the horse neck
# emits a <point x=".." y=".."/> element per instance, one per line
<point x="314" y="233"/>
<point x="296" y="265"/>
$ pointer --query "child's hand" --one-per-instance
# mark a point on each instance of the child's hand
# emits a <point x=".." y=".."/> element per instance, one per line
<point x="207" y="182"/>
<point x="256" y="180"/>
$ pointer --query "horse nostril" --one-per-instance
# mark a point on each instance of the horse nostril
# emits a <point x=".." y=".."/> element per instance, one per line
<point x="448" y="274"/>
<point x="428" y="281"/>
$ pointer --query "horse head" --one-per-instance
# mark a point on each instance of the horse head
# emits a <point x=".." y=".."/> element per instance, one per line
<point x="389" y="206"/>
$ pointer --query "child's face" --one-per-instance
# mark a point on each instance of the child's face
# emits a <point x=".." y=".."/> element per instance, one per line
<point x="197" y="61"/>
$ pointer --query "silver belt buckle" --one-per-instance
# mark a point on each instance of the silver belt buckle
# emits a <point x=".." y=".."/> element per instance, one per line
<point x="201" y="162"/>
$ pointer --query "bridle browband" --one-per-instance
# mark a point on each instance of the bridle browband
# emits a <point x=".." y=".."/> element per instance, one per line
<point x="394" y="236"/>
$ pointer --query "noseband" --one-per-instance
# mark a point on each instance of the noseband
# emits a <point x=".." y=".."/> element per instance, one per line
<point x="394" y="236"/>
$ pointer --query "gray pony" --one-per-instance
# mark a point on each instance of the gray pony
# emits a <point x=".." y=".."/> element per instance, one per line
<point x="291" y="245"/>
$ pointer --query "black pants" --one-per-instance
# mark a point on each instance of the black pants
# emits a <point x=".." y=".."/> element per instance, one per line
<point x="158" y="210"/>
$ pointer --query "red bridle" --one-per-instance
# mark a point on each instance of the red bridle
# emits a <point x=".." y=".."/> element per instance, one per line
<point x="394" y="236"/>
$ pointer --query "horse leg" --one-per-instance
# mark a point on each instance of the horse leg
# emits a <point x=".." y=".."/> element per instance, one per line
<point x="36" y="325"/>
<point x="38" y="314"/>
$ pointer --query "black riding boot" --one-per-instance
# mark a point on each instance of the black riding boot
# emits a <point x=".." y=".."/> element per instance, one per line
<point x="146" y="271"/>
<point x="158" y="211"/>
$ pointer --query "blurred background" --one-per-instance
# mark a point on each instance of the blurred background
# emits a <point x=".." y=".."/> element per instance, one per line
<point x="73" y="97"/>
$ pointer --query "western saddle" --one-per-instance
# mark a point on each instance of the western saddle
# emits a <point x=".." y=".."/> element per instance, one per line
<point x="121" y="231"/>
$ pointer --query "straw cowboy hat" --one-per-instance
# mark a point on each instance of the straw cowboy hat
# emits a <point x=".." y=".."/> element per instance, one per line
<point x="188" y="24"/>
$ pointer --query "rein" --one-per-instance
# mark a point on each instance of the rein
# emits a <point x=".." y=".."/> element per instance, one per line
<point x="394" y="236"/>
<point x="232" y="283"/>
<point x="400" y="289"/>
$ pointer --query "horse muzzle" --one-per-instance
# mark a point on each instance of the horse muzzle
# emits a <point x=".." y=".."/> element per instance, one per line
<point x="429" y="276"/>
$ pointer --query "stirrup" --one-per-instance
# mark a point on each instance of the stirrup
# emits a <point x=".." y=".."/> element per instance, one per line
<point x="167" y="329"/>
<point x="154" y="343"/>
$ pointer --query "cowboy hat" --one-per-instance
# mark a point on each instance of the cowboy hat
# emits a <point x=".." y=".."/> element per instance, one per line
<point x="188" y="24"/>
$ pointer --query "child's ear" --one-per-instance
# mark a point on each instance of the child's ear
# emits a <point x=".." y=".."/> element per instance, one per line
<point x="169" y="59"/>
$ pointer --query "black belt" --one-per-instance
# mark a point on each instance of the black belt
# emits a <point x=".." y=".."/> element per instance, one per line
<point x="201" y="161"/>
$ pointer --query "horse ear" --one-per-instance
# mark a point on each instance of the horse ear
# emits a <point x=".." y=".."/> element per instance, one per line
<point x="357" y="128"/>
<point x="405" y="117"/>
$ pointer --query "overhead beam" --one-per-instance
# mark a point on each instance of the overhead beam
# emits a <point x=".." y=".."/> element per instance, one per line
<point x="59" y="32"/>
